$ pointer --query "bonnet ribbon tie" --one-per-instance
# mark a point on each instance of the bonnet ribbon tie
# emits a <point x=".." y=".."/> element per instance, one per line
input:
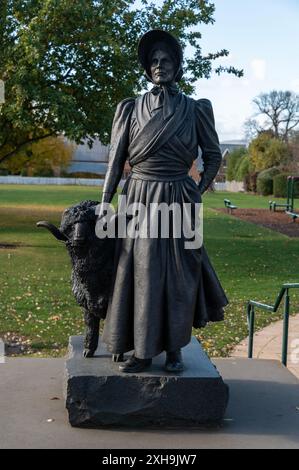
<point x="164" y="91"/>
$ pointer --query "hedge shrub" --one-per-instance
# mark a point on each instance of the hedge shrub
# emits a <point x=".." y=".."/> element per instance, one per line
<point x="280" y="185"/>
<point x="264" y="184"/>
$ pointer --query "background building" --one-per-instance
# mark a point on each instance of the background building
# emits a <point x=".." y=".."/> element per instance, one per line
<point x="226" y="148"/>
<point x="94" y="162"/>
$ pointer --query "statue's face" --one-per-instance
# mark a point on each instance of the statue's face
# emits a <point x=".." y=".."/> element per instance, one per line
<point x="162" y="67"/>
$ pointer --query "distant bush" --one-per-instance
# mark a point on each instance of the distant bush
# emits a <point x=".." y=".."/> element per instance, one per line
<point x="43" y="172"/>
<point x="65" y="174"/>
<point x="269" y="172"/>
<point x="4" y="172"/>
<point x="86" y="175"/>
<point x="280" y="185"/>
<point x="264" y="184"/>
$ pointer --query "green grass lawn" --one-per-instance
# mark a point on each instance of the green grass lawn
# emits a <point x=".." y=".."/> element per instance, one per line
<point x="36" y="300"/>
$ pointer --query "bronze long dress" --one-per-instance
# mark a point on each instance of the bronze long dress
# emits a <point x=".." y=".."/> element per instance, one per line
<point x="160" y="288"/>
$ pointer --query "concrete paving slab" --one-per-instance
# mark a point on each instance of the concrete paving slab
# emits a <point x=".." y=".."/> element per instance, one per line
<point x="263" y="411"/>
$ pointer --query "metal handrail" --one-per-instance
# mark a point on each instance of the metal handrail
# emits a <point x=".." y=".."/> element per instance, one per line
<point x="252" y="304"/>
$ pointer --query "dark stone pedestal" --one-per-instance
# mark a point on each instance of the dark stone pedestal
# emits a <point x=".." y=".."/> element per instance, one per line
<point x="98" y="394"/>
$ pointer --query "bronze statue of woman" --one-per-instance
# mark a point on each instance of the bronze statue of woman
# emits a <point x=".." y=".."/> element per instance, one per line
<point x="161" y="289"/>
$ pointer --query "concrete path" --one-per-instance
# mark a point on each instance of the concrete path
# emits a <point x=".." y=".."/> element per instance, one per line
<point x="267" y="344"/>
<point x="263" y="411"/>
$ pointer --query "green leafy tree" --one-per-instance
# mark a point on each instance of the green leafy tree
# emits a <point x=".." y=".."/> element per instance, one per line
<point x="266" y="151"/>
<point x="244" y="168"/>
<point x="233" y="161"/>
<point x="67" y="63"/>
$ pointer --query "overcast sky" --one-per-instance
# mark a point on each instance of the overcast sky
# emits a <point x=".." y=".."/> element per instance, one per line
<point x="263" y="39"/>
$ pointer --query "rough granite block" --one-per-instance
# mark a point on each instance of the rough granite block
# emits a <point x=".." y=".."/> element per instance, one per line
<point x="99" y="395"/>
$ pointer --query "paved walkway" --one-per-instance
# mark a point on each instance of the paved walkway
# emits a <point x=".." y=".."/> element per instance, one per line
<point x="267" y="344"/>
<point x="263" y="411"/>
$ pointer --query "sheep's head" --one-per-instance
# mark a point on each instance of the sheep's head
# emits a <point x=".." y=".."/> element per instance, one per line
<point x="77" y="228"/>
<point x="78" y="224"/>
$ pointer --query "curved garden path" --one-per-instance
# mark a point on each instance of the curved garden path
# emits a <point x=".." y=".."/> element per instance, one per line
<point x="267" y="344"/>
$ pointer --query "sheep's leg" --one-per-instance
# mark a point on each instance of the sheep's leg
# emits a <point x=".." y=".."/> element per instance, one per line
<point x="92" y="324"/>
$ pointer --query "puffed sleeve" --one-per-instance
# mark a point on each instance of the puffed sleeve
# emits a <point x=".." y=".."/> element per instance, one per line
<point x="118" y="147"/>
<point x="208" y="142"/>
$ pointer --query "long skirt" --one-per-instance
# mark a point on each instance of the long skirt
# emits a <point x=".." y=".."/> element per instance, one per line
<point x="161" y="288"/>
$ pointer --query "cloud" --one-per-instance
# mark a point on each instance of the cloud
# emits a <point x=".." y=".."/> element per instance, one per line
<point x="295" y="85"/>
<point x="229" y="127"/>
<point x="258" y="67"/>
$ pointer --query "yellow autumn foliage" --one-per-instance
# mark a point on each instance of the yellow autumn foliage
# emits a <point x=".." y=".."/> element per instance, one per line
<point x="45" y="157"/>
<point x="266" y="151"/>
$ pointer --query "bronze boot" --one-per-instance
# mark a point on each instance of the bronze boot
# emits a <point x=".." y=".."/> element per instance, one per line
<point x="174" y="361"/>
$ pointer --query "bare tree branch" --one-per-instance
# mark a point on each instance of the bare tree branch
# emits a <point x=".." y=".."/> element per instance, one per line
<point x="281" y="109"/>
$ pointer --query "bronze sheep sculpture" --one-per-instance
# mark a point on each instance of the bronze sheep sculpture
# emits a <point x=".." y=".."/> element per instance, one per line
<point x="92" y="266"/>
